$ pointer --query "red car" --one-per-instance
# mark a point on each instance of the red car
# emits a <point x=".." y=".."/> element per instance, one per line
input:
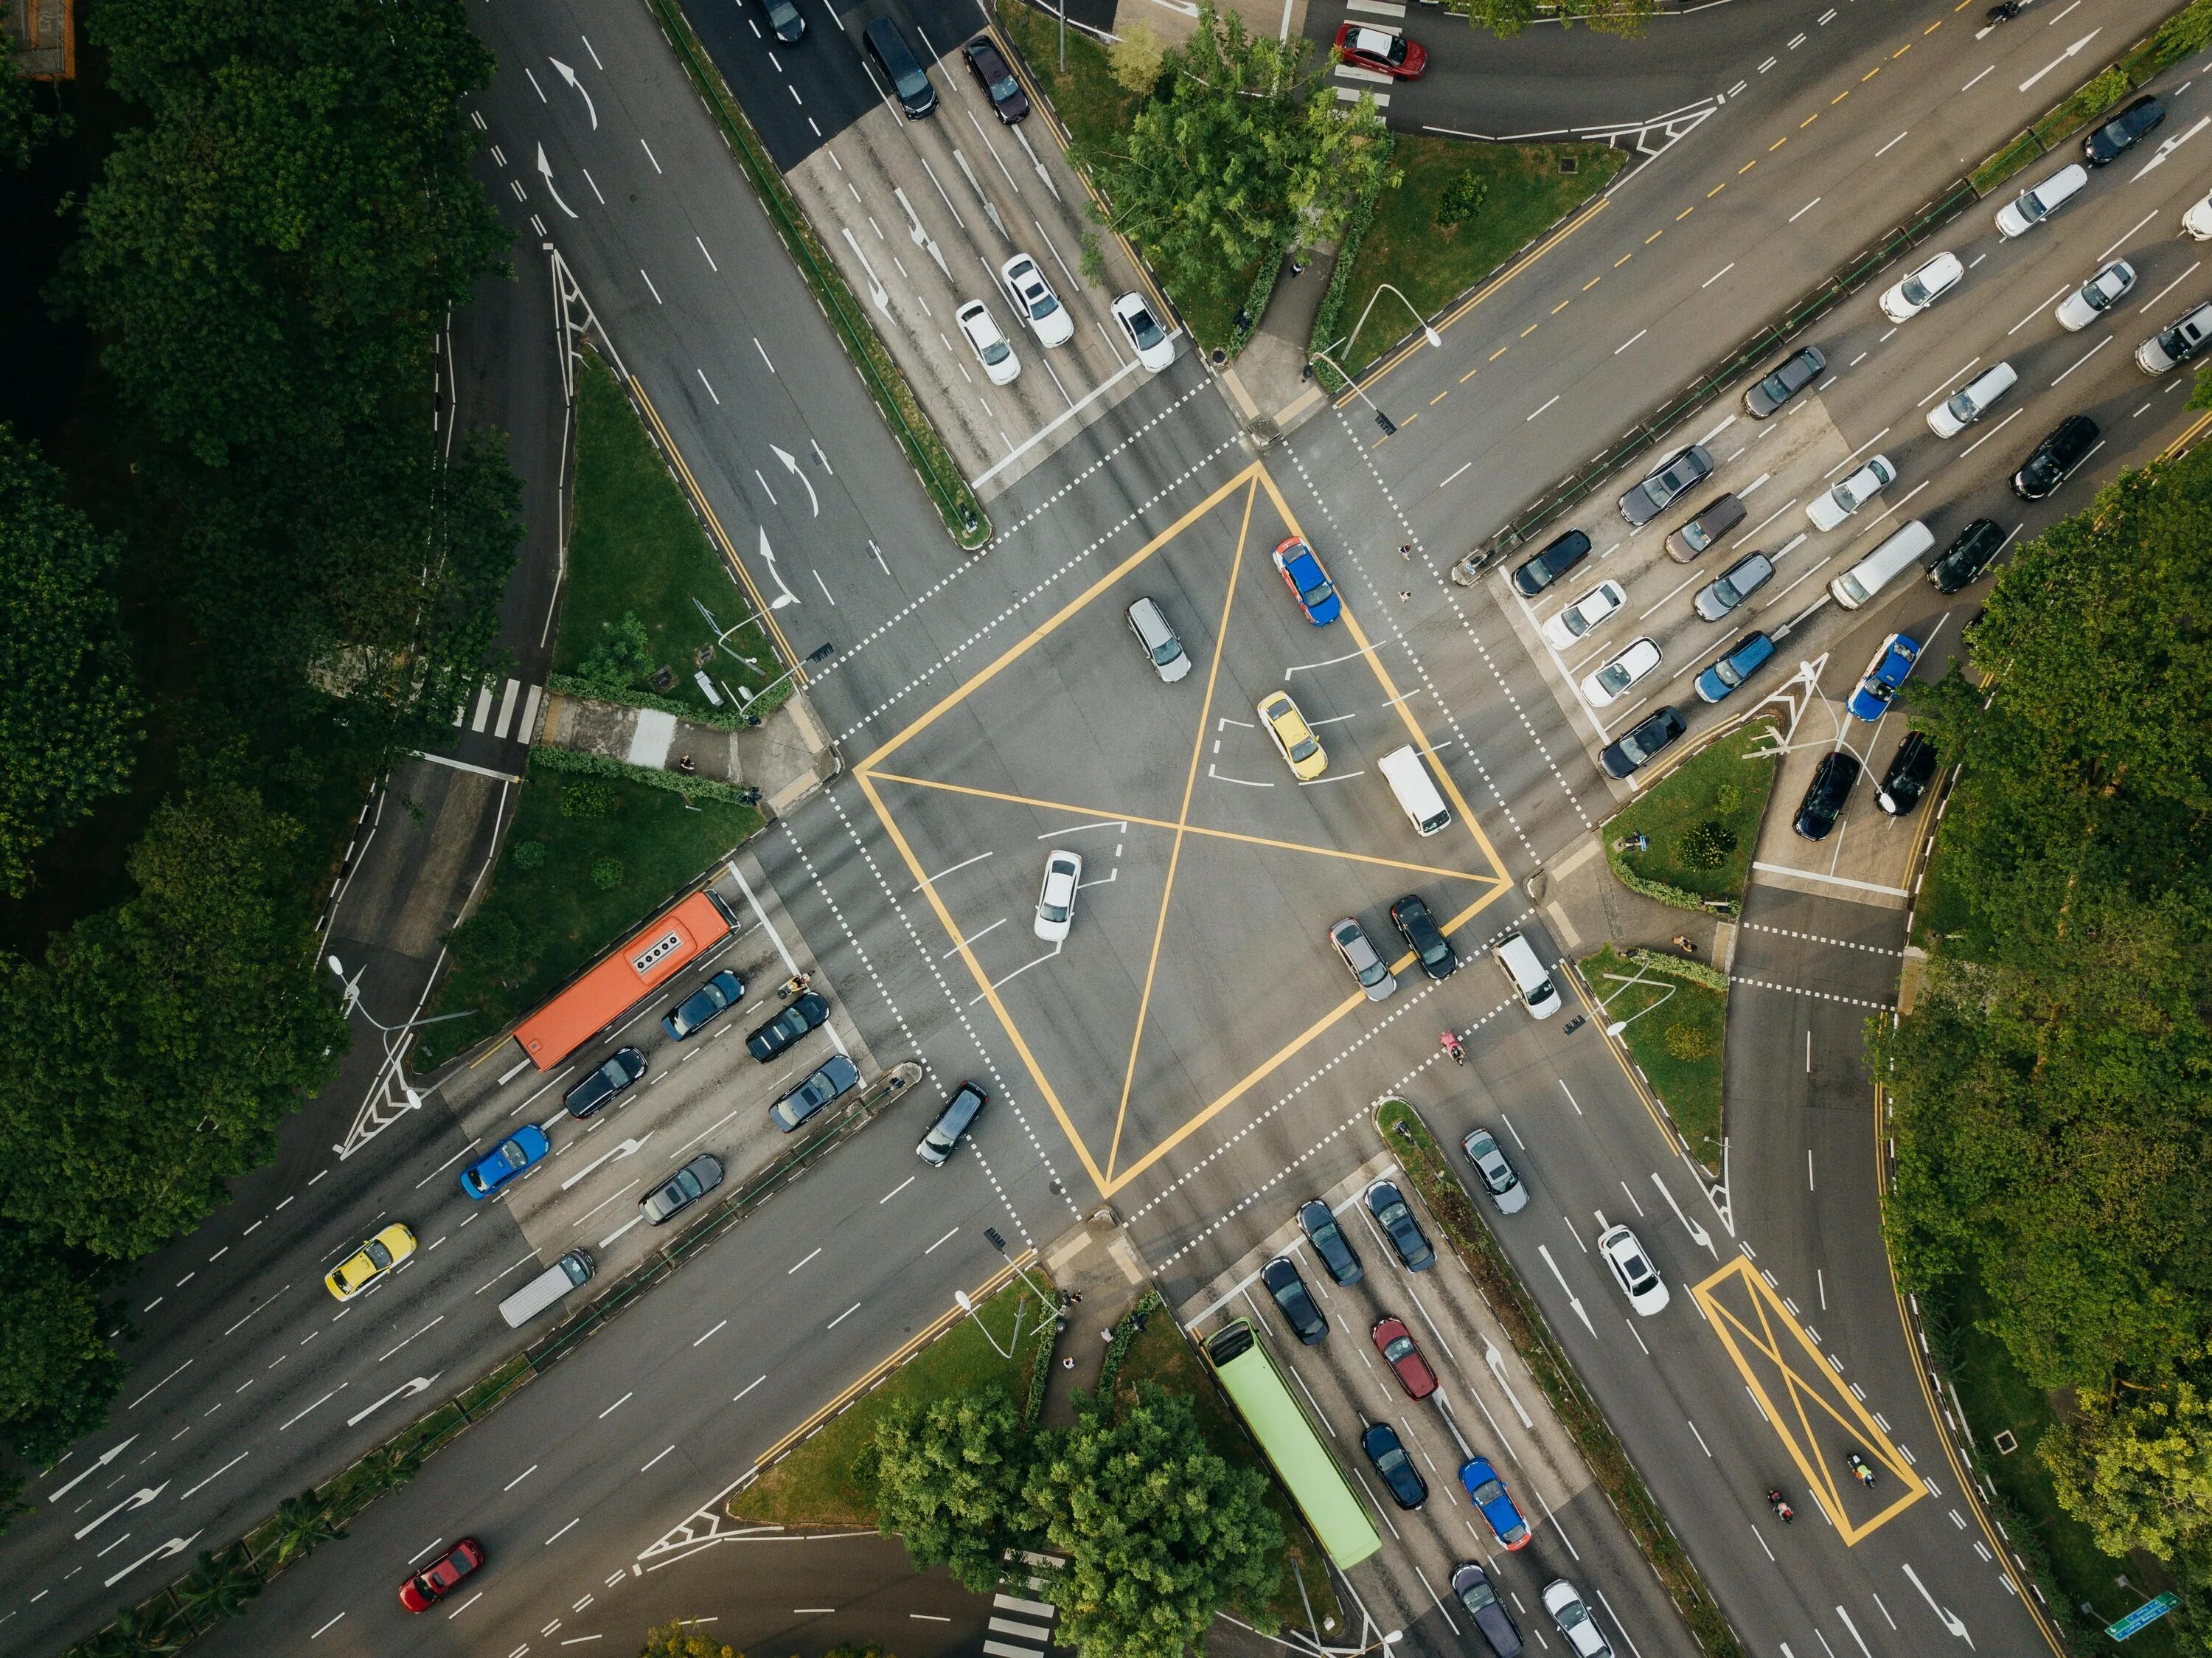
<point x="1396" y="1342"/>
<point x="422" y="1591"/>
<point x="1384" y="50"/>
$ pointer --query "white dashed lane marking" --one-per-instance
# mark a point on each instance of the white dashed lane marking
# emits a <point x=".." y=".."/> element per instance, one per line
<point x="1819" y="995"/>
<point x="1817" y="938"/>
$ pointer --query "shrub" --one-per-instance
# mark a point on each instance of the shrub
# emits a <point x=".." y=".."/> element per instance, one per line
<point x="588" y="797"/>
<point x="1707" y="844"/>
<point x="528" y="854"/>
<point x="606" y="874"/>
<point x="1727" y="798"/>
<point x="1461" y="198"/>
<point x="1687" y="1042"/>
<point x="624" y="655"/>
<point x="1138" y="57"/>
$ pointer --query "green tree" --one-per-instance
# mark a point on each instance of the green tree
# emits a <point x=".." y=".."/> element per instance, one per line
<point x="1138" y="58"/>
<point x="1507" y="18"/>
<point x="1247" y="150"/>
<point x="682" y="1640"/>
<point x="58" y="1374"/>
<point x="304" y="1523"/>
<point x="948" y="1475"/>
<point x="68" y="714"/>
<point x="2137" y="1468"/>
<point x="218" y="1586"/>
<point x="1159" y="1532"/>
<point x="161" y="1041"/>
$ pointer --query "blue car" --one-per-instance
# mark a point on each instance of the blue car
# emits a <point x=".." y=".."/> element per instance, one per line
<point x="717" y="996"/>
<point x="1891" y="668"/>
<point x="1751" y="652"/>
<point x="1308" y="582"/>
<point x="1389" y="1207"/>
<point x="1489" y="1494"/>
<point x="526" y="1146"/>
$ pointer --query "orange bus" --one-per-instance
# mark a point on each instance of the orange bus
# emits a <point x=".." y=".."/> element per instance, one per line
<point x="620" y="981"/>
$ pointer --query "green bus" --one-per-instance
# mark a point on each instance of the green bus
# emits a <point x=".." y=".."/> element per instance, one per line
<point x="1301" y="1461"/>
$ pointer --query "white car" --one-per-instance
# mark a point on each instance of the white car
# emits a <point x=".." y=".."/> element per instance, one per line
<point x="1587" y="615"/>
<point x="1034" y="299"/>
<point x="1063" y="873"/>
<point x="2039" y="201"/>
<point x="1150" y="341"/>
<point x="1847" y="498"/>
<point x="988" y="342"/>
<point x="1607" y="685"/>
<point x="1639" y="1279"/>
<point x="2197" y="221"/>
<point x="2096" y="297"/>
<point x="1907" y="299"/>
<point x="1576" y="1627"/>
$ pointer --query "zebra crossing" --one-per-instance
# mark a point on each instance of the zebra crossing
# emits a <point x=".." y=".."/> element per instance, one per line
<point x="478" y="716"/>
<point x="1016" y="1620"/>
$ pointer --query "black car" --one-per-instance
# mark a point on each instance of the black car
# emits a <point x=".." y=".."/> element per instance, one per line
<point x="1665" y="484"/>
<point x="682" y="1189"/>
<point x="1384" y="1449"/>
<point x="2122" y="132"/>
<point x="1791" y="375"/>
<point x="1911" y="769"/>
<point x="1329" y="1242"/>
<point x="997" y="82"/>
<point x="1391" y="1212"/>
<point x="717" y="996"/>
<point x="2055" y="458"/>
<point x="1410" y="915"/>
<point x="1832" y="784"/>
<point x="1639" y="746"/>
<point x="783" y="18"/>
<point x="1280" y="1275"/>
<point x="1471" y="1584"/>
<point x="787" y="1027"/>
<point x="603" y="1081"/>
<point x="1967" y="557"/>
<point x="816" y="1092"/>
<point x="1561" y="556"/>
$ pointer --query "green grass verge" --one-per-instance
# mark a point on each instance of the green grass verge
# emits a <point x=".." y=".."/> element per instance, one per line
<point x="2058" y="1548"/>
<point x="1429" y="1169"/>
<point x="539" y="926"/>
<point x="1523" y="193"/>
<point x="1162" y="1354"/>
<point x="1677" y="1045"/>
<point x="1942" y="920"/>
<point x="816" y="1484"/>
<point x="1725" y="783"/>
<point x="637" y="549"/>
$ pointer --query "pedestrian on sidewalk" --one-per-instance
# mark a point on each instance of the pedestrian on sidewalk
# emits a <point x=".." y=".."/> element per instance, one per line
<point x="1682" y="943"/>
<point x="684" y="764"/>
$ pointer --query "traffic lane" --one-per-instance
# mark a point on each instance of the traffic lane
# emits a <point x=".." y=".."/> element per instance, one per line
<point x="571" y="1481"/>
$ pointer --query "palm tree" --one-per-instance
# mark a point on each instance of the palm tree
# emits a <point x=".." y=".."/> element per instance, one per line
<point x="145" y="1632"/>
<point x="218" y="1586"/>
<point x="303" y="1524"/>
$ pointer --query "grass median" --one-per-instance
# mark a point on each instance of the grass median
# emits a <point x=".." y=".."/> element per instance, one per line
<point x="587" y="861"/>
<point x="1673" y="1032"/>
<point x="1430" y="1168"/>
<point x="1698" y="824"/>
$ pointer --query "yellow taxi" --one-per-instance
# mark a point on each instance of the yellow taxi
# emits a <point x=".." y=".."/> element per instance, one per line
<point x="370" y="1261"/>
<point x="1302" y="751"/>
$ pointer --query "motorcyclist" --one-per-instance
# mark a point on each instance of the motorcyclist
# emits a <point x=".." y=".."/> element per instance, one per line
<point x="1780" y="1504"/>
<point x="1455" y="1047"/>
<point x="1859" y="1468"/>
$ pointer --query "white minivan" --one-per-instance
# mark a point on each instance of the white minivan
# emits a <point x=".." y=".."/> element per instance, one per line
<point x="1416" y="789"/>
<point x="1525" y="972"/>
<point x="2039" y="201"/>
<point x="1882" y="566"/>
<point x="1971" y="401"/>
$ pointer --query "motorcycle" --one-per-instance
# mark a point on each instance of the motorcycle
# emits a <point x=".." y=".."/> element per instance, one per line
<point x="1859" y="1471"/>
<point x="2004" y="11"/>
<point x="1780" y="1504"/>
<point x="1455" y="1047"/>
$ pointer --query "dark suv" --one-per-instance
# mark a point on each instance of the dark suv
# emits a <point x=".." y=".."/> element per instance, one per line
<point x="1638" y="749"/>
<point x="1911" y="769"/>
<point x="1665" y="484"/>
<point x="1280" y="1276"/>
<point x="1832" y="781"/>
<point x="2055" y="458"/>
<point x="1007" y="99"/>
<point x="1967" y="557"/>
<point x="2122" y="132"/>
<point x="1558" y="558"/>
<point x="1410" y="915"/>
<point x="606" y="1081"/>
<point x="1791" y="375"/>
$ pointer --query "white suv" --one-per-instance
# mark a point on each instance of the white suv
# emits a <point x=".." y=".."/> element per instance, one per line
<point x="1829" y="511"/>
<point x="1576" y="1627"/>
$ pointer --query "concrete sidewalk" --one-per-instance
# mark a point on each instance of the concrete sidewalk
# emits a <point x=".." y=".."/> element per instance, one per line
<point x="1096" y="1262"/>
<point x="787" y="756"/>
<point x="1267" y="382"/>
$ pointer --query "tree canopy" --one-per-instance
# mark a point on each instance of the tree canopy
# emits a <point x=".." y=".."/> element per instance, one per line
<point x="949" y="1473"/>
<point x="68" y="711"/>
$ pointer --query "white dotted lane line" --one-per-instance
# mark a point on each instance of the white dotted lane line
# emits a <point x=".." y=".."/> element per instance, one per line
<point x="1283" y="1173"/>
<point x="947" y="659"/>
<point x="1817" y="938"/>
<point x="1823" y="995"/>
<point x="1000" y="540"/>
<point x="1006" y="1094"/>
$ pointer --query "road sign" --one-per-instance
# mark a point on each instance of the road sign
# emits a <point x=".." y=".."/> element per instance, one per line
<point x="2144" y="1616"/>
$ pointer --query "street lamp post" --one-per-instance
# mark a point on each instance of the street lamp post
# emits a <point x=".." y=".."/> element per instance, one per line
<point x="1431" y="335"/>
<point x="1380" y="419"/>
<point x="968" y="1307"/>
<point x="1620" y="1025"/>
<point x="998" y="1242"/>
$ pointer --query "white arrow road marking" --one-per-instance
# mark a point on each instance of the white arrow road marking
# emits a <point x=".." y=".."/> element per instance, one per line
<point x="922" y="239"/>
<point x="546" y="168"/>
<point x="1950" y="1621"/>
<point x="791" y="465"/>
<point x="106" y="1457"/>
<point x="175" y="1546"/>
<point x="570" y="76"/>
<point x="1038" y="164"/>
<point x="612" y="1154"/>
<point x="138" y="1499"/>
<point x="608" y="1241"/>
<point x="2171" y="145"/>
<point x="1495" y="1361"/>
<point x="2070" y="52"/>
<point x="1698" y="1233"/>
<point x="1545" y="1250"/>
<point x="784" y="594"/>
<point x="877" y="297"/>
<point x="405" y="1390"/>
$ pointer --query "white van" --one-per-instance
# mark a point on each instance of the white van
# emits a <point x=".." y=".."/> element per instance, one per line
<point x="2039" y="201"/>
<point x="568" y="1273"/>
<point x="1527" y="975"/>
<point x="1879" y="568"/>
<point x="1972" y="401"/>
<point x="1416" y="789"/>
